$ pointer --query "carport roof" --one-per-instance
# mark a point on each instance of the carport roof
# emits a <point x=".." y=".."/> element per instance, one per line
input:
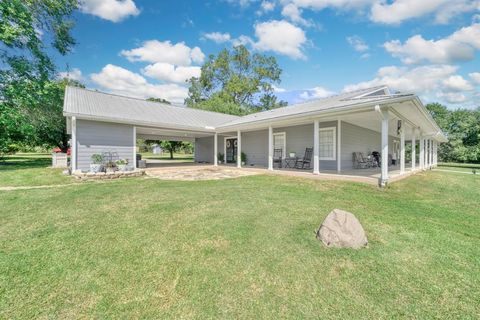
<point x="100" y="106"/>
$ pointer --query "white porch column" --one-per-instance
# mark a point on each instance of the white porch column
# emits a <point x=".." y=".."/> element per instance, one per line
<point x="215" y="149"/>
<point x="427" y="155"/>
<point x="134" y="147"/>
<point x="73" y="157"/>
<point x="402" y="151"/>
<point x="384" y="176"/>
<point x="414" y="149"/>
<point x="435" y="153"/>
<point x="421" y="158"/>
<point x="339" y="147"/>
<point x="316" y="145"/>
<point x="270" y="148"/>
<point x="431" y="154"/>
<point x="239" y="149"/>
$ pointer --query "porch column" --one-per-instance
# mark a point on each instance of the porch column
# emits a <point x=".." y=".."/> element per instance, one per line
<point x="134" y="147"/>
<point x="215" y="149"/>
<point x="384" y="176"/>
<point x="414" y="149"/>
<point x="316" y="143"/>
<point x="402" y="151"/>
<point x="239" y="149"/>
<point x="431" y="154"/>
<point x="435" y="153"/>
<point x="73" y="157"/>
<point x="421" y="158"/>
<point x="270" y="148"/>
<point x="339" y="147"/>
<point x="427" y="155"/>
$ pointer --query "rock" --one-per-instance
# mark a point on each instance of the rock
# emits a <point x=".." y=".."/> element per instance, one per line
<point x="341" y="229"/>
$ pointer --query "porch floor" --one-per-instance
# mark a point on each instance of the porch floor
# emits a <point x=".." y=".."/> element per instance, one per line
<point x="204" y="170"/>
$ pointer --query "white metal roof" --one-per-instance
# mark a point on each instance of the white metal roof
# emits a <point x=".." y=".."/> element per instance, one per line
<point x="109" y="107"/>
<point x="100" y="106"/>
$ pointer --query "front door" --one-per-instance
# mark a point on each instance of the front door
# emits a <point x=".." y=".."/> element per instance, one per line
<point x="231" y="150"/>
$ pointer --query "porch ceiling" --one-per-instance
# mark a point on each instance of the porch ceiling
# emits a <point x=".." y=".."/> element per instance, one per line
<point x="167" y="134"/>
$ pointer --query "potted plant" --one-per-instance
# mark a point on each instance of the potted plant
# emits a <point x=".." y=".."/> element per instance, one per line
<point x="292" y="154"/>
<point x="97" y="161"/>
<point x="220" y="158"/>
<point x="122" y="164"/>
<point x="243" y="157"/>
<point x="110" y="166"/>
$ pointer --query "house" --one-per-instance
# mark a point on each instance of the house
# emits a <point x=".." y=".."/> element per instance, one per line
<point x="336" y="128"/>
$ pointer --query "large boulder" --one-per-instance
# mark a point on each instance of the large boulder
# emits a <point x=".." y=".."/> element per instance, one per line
<point x="342" y="229"/>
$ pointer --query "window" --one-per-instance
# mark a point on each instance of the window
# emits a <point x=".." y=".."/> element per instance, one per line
<point x="328" y="142"/>
<point x="280" y="142"/>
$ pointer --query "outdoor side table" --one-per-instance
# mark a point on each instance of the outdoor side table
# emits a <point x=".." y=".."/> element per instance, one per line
<point x="290" y="162"/>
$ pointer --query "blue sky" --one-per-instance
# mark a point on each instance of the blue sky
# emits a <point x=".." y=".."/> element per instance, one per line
<point x="148" y="48"/>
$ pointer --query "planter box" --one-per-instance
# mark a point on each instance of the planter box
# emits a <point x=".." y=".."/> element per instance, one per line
<point x="59" y="160"/>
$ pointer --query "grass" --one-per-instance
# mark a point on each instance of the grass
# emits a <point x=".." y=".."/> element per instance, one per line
<point x="30" y="169"/>
<point x="240" y="248"/>
<point x="459" y="165"/>
<point x="180" y="157"/>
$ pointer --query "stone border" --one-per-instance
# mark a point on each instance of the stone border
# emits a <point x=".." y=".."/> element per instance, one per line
<point x="108" y="175"/>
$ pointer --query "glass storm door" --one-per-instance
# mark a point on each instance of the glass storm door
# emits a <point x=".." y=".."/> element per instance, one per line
<point x="231" y="149"/>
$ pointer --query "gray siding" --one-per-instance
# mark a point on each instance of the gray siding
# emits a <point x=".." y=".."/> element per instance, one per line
<point x="255" y="146"/>
<point x="301" y="137"/>
<point x="358" y="139"/>
<point x="204" y="148"/>
<point x="97" y="137"/>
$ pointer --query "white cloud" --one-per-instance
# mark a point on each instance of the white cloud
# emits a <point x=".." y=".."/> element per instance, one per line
<point x="113" y="10"/>
<point x="357" y="43"/>
<point x="459" y="46"/>
<point x="118" y="80"/>
<point x="475" y="76"/>
<point x="457" y="83"/>
<point x="431" y="82"/>
<point x="315" y="93"/>
<point x="157" y="51"/>
<point x="265" y="7"/>
<point x="294" y="14"/>
<point x="452" y="97"/>
<point x="281" y="37"/>
<point x="400" y="10"/>
<point x="242" y="40"/>
<point x="74" y="74"/>
<point x="338" y="4"/>
<point x="170" y="73"/>
<point x="217" y="37"/>
<point x="278" y="89"/>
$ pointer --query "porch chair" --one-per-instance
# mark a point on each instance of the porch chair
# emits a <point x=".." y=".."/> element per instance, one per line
<point x="304" y="163"/>
<point x="277" y="157"/>
<point x="359" y="161"/>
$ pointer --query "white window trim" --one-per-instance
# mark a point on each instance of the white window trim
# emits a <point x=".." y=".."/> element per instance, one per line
<point x="284" y="134"/>
<point x="334" y="143"/>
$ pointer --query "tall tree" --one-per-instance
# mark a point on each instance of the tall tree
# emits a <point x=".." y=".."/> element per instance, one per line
<point x="236" y="82"/>
<point x="29" y="29"/>
<point x="462" y="127"/>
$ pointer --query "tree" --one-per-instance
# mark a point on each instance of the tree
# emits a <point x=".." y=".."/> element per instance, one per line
<point x="171" y="146"/>
<point x="160" y="100"/>
<point x="462" y="127"/>
<point x="236" y="82"/>
<point x="28" y="30"/>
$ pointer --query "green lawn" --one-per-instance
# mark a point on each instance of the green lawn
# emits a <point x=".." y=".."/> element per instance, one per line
<point x="239" y="248"/>
<point x="180" y="157"/>
<point x="30" y="169"/>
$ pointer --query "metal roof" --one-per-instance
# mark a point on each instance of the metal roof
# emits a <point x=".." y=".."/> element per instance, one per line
<point x="109" y="107"/>
<point x="374" y="94"/>
<point x="100" y="106"/>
